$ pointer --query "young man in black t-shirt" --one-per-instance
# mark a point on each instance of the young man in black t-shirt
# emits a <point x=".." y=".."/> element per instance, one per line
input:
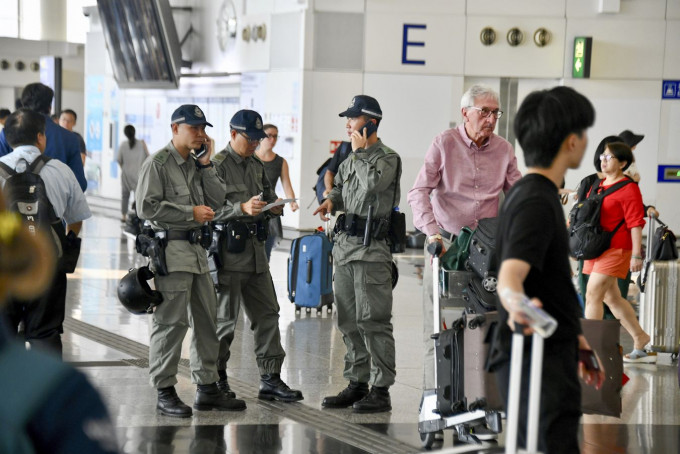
<point x="532" y="246"/>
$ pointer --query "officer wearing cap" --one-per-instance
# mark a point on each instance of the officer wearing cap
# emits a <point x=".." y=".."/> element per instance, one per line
<point x="243" y="275"/>
<point x="367" y="181"/>
<point x="177" y="192"/>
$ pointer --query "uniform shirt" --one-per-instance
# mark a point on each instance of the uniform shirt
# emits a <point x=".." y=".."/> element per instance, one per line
<point x="168" y="189"/>
<point x="243" y="178"/>
<point x="464" y="181"/>
<point x="367" y="177"/>
<point x="531" y="228"/>
<point x="624" y="203"/>
<point x="62" y="144"/>
<point x="63" y="191"/>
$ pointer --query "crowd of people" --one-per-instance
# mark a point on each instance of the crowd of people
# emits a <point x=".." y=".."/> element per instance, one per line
<point x="186" y="189"/>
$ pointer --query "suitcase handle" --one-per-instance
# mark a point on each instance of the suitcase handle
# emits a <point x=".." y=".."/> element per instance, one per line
<point x="309" y="271"/>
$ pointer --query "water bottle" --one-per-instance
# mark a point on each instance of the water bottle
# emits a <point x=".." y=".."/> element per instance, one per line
<point x="539" y="320"/>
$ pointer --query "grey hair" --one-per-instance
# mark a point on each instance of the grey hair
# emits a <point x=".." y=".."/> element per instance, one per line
<point x="478" y="91"/>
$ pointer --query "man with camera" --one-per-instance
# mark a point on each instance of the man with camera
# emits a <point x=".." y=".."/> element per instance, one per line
<point x="366" y="188"/>
<point x="243" y="269"/>
<point x="177" y="192"/>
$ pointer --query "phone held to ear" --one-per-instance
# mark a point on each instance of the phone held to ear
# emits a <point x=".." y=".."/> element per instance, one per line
<point x="201" y="151"/>
<point x="370" y="128"/>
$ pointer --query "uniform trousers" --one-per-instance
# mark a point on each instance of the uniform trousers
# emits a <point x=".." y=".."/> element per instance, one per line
<point x="428" y="318"/>
<point x="188" y="301"/>
<point x="363" y="295"/>
<point x="255" y="292"/>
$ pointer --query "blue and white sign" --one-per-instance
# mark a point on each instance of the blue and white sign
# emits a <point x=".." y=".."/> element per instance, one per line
<point x="671" y="89"/>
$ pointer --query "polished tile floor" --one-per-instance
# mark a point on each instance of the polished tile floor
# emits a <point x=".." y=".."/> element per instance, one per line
<point x="111" y="345"/>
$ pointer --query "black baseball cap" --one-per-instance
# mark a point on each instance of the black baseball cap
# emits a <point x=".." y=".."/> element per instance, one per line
<point x="190" y="114"/>
<point x="363" y="105"/>
<point x="248" y="122"/>
<point x="630" y="139"/>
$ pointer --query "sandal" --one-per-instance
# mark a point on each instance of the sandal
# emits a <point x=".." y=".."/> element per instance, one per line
<point x="640" y="356"/>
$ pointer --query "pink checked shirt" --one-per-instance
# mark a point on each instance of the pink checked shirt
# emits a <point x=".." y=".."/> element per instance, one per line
<point x="464" y="181"/>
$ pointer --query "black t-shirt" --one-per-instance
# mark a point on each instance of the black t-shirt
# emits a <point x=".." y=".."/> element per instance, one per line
<point x="532" y="228"/>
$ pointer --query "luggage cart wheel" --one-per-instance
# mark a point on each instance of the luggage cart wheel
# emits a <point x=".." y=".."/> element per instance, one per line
<point x="308" y="310"/>
<point x="427" y="439"/>
<point x="297" y="309"/>
<point x="674" y="356"/>
<point x="318" y="311"/>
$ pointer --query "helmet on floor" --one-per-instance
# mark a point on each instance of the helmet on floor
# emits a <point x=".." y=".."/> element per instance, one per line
<point x="134" y="291"/>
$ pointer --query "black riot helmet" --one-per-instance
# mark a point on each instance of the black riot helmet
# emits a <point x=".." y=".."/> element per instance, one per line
<point x="395" y="274"/>
<point x="135" y="294"/>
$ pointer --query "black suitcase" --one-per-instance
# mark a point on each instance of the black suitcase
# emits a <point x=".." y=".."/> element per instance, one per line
<point x="450" y="373"/>
<point x="479" y="299"/>
<point x="482" y="251"/>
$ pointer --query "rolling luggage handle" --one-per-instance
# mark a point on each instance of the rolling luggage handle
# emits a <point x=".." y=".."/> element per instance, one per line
<point x="535" y="378"/>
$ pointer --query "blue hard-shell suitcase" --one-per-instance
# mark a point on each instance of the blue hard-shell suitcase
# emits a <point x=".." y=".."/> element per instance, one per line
<point x="310" y="273"/>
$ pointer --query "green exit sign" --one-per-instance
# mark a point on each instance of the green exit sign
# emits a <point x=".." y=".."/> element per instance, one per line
<point x="582" y="50"/>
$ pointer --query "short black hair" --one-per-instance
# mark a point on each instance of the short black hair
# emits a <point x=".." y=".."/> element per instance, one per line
<point x="600" y="149"/>
<point x="4" y="113"/>
<point x="622" y="152"/>
<point x="23" y="126"/>
<point x="546" y="118"/>
<point x="69" y="111"/>
<point x="37" y="97"/>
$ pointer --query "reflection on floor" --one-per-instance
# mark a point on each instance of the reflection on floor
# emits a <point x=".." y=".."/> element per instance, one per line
<point x="110" y="344"/>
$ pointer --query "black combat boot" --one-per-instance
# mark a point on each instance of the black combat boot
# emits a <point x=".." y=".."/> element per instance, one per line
<point x="209" y="397"/>
<point x="354" y="392"/>
<point x="169" y="403"/>
<point x="377" y="401"/>
<point x="223" y="384"/>
<point x="273" y="388"/>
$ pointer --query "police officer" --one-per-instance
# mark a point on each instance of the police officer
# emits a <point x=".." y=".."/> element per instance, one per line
<point x="177" y="192"/>
<point x="366" y="182"/>
<point x="244" y="277"/>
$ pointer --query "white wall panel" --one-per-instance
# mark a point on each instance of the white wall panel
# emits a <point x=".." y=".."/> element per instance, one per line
<point x="673" y="10"/>
<point x="443" y="35"/>
<point x="345" y="6"/>
<point x="622" y="49"/>
<point x="671" y="61"/>
<point x="640" y="9"/>
<point x="417" y="7"/>
<point x="553" y="8"/>
<point x="423" y="108"/>
<point x="525" y="60"/>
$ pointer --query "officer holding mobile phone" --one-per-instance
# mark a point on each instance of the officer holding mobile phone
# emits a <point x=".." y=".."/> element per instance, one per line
<point x="367" y="183"/>
<point x="178" y="193"/>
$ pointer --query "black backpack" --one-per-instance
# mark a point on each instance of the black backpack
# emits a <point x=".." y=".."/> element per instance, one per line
<point x="25" y="194"/>
<point x="587" y="239"/>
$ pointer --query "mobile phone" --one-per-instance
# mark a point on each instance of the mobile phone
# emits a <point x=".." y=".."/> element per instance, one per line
<point x="589" y="360"/>
<point x="201" y="151"/>
<point x="370" y="127"/>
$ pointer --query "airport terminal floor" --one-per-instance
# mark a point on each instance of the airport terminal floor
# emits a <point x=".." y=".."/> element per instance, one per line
<point x="110" y="345"/>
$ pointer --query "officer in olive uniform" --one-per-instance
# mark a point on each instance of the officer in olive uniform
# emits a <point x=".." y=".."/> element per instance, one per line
<point x="243" y="275"/>
<point x="367" y="181"/>
<point x="177" y="192"/>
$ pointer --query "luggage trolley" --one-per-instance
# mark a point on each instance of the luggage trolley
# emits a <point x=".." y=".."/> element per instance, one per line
<point x="433" y="418"/>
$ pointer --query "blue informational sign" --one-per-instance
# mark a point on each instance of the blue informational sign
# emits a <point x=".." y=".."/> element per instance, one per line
<point x="668" y="174"/>
<point x="94" y="100"/>
<point x="670" y="89"/>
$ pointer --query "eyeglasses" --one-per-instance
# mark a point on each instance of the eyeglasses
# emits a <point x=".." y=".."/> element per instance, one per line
<point x="484" y="112"/>
<point x="607" y="157"/>
<point x="273" y="136"/>
<point x="249" y="139"/>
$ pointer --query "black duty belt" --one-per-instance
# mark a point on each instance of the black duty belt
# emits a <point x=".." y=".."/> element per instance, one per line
<point x="182" y="235"/>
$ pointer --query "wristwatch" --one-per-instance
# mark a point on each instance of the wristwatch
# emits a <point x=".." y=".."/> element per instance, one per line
<point x="436" y="237"/>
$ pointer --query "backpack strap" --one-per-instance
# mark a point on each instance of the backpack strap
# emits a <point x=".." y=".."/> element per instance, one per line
<point x="606" y="192"/>
<point x="6" y="171"/>
<point x="38" y="163"/>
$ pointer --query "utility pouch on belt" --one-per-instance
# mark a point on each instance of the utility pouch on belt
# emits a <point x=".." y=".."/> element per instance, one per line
<point x="381" y="228"/>
<point x="262" y="230"/>
<point x="397" y="232"/>
<point x="236" y="236"/>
